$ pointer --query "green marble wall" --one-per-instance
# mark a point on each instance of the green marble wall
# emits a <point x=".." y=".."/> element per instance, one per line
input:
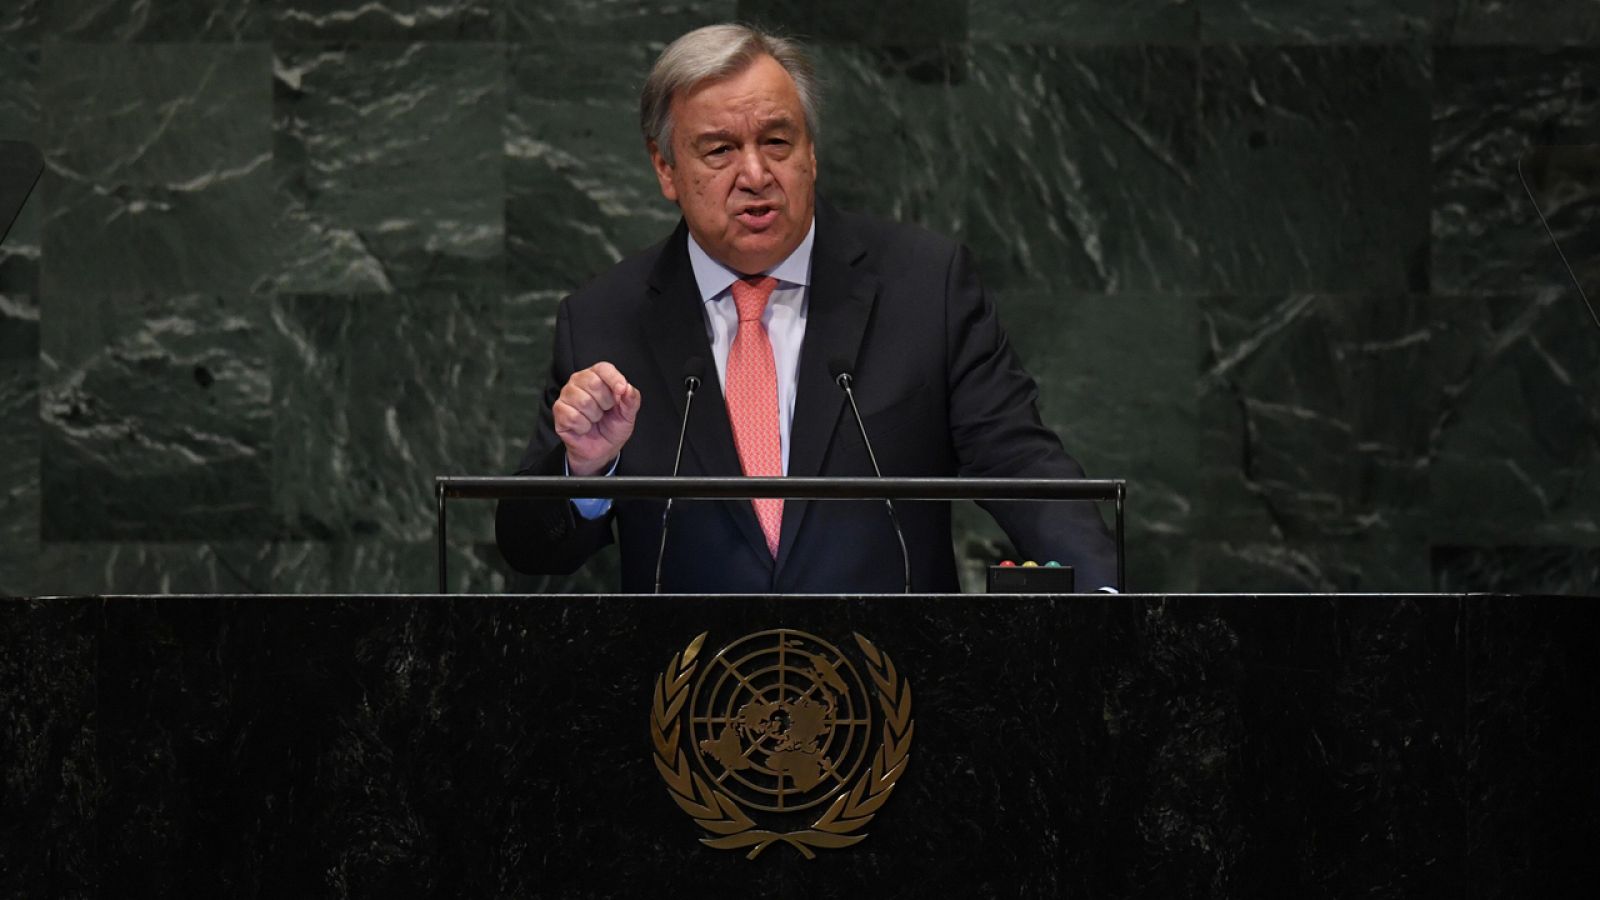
<point x="291" y="258"/>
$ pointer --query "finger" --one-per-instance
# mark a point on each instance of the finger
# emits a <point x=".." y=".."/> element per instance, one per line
<point x="587" y="402"/>
<point x="614" y="379"/>
<point x="570" y="420"/>
<point x="590" y="387"/>
<point x="628" y="406"/>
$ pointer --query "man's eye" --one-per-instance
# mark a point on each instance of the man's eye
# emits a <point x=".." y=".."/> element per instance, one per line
<point x="718" y="151"/>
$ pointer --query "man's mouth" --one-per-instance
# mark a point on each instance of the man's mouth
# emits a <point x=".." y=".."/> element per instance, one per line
<point x="757" y="217"/>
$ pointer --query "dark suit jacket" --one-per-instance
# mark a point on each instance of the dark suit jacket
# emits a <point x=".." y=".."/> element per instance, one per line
<point x="939" y="387"/>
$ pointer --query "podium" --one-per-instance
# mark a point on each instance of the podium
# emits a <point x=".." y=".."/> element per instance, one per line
<point x="1107" y="746"/>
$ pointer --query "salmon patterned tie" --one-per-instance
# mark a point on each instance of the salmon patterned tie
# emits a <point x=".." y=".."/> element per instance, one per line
<point x="751" y="386"/>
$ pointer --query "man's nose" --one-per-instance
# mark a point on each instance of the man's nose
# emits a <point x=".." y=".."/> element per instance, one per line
<point x="753" y="170"/>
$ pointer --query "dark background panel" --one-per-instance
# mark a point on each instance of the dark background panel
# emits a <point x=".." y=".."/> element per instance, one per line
<point x="1083" y="21"/>
<point x="637" y="23"/>
<point x="1535" y="22"/>
<point x="1082" y="167"/>
<point x="1313" y="173"/>
<point x="1298" y="22"/>
<point x="159" y="160"/>
<point x="388" y="162"/>
<point x="20" y="121"/>
<point x="1491" y="107"/>
<point x="392" y="20"/>
<point x="156" y="417"/>
<point x="153" y="21"/>
<point x="19" y="445"/>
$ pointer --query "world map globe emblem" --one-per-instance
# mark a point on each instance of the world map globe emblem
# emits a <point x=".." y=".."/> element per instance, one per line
<point x="780" y="720"/>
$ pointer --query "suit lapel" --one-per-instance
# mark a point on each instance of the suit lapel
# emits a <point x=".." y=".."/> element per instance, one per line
<point x="842" y="298"/>
<point x="675" y="331"/>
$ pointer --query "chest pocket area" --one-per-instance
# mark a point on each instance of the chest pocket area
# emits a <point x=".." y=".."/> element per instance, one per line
<point x="909" y="435"/>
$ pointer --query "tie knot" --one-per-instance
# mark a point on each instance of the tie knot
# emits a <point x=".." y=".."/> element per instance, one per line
<point x="750" y="295"/>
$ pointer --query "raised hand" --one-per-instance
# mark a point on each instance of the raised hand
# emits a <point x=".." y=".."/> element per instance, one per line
<point x="594" y="417"/>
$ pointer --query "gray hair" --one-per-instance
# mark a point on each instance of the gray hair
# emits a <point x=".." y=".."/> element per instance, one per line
<point x="716" y="51"/>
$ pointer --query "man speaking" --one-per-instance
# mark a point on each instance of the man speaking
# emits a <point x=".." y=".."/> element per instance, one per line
<point x="771" y="293"/>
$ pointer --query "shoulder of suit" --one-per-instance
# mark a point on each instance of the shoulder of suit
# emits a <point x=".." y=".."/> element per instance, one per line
<point x="620" y="286"/>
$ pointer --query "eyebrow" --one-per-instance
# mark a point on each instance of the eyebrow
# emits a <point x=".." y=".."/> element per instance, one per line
<point x="776" y="123"/>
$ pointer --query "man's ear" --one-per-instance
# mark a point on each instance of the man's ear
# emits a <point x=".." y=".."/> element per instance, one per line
<point x="664" y="172"/>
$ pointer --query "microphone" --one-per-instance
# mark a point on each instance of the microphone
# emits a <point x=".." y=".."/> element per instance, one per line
<point x="691" y="383"/>
<point x="841" y="376"/>
<point x="1557" y="244"/>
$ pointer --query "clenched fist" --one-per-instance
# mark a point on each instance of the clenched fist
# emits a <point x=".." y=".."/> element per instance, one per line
<point x="594" y="417"/>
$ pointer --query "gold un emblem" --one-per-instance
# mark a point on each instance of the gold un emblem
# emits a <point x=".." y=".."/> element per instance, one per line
<point x="778" y="727"/>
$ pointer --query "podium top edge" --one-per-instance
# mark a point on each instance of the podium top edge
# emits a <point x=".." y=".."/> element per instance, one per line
<point x="792" y="488"/>
<point x="799" y="598"/>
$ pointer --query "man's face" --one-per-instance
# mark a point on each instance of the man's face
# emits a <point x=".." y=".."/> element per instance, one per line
<point x="745" y="172"/>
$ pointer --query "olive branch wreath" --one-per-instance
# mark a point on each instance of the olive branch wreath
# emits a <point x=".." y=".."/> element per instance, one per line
<point x="717" y="813"/>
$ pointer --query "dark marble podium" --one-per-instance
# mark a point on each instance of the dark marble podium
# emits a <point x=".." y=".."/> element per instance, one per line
<point x="494" y="746"/>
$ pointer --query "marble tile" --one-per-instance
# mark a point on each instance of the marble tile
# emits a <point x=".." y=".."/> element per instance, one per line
<point x="1451" y="419"/>
<point x="580" y="193"/>
<point x="220" y="567"/>
<point x="22" y="21"/>
<point x="1536" y="22"/>
<point x="50" y="786"/>
<point x="375" y="395"/>
<point x="20" y="120"/>
<point x="349" y="566"/>
<point x="887" y="133"/>
<point x="157" y="417"/>
<point x="1320" y="416"/>
<point x="1084" y="22"/>
<point x="20" y="254"/>
<point x="1314" y="169"/>
<point x="388" y="159"/>
<point x="581" y="24"/>
<point x="155" y="21"/>
<point x="1085" y="349"/>
<point x="1517" y="457"/>
<point x="19" y="445"/>
<point x="886" y="23"/>
<point x="1361" y="564"/>
<point x="361" y="566"/>
<point x="1283" y="22"/>
<point x="1080" y="167"/>
<point x="390" y="20"/>
<point x="1517" y="570"/>
<point x="158" y="173"/>
<point x="1491" y="106"/>
<point x="20" y="116"/>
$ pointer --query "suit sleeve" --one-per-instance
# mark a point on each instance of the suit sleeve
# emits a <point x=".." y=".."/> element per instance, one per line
<point x="547" y="537"/>
<point x="997" y="433"/>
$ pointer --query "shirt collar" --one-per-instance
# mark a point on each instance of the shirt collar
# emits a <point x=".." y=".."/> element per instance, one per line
<point x="713" y="278"/>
